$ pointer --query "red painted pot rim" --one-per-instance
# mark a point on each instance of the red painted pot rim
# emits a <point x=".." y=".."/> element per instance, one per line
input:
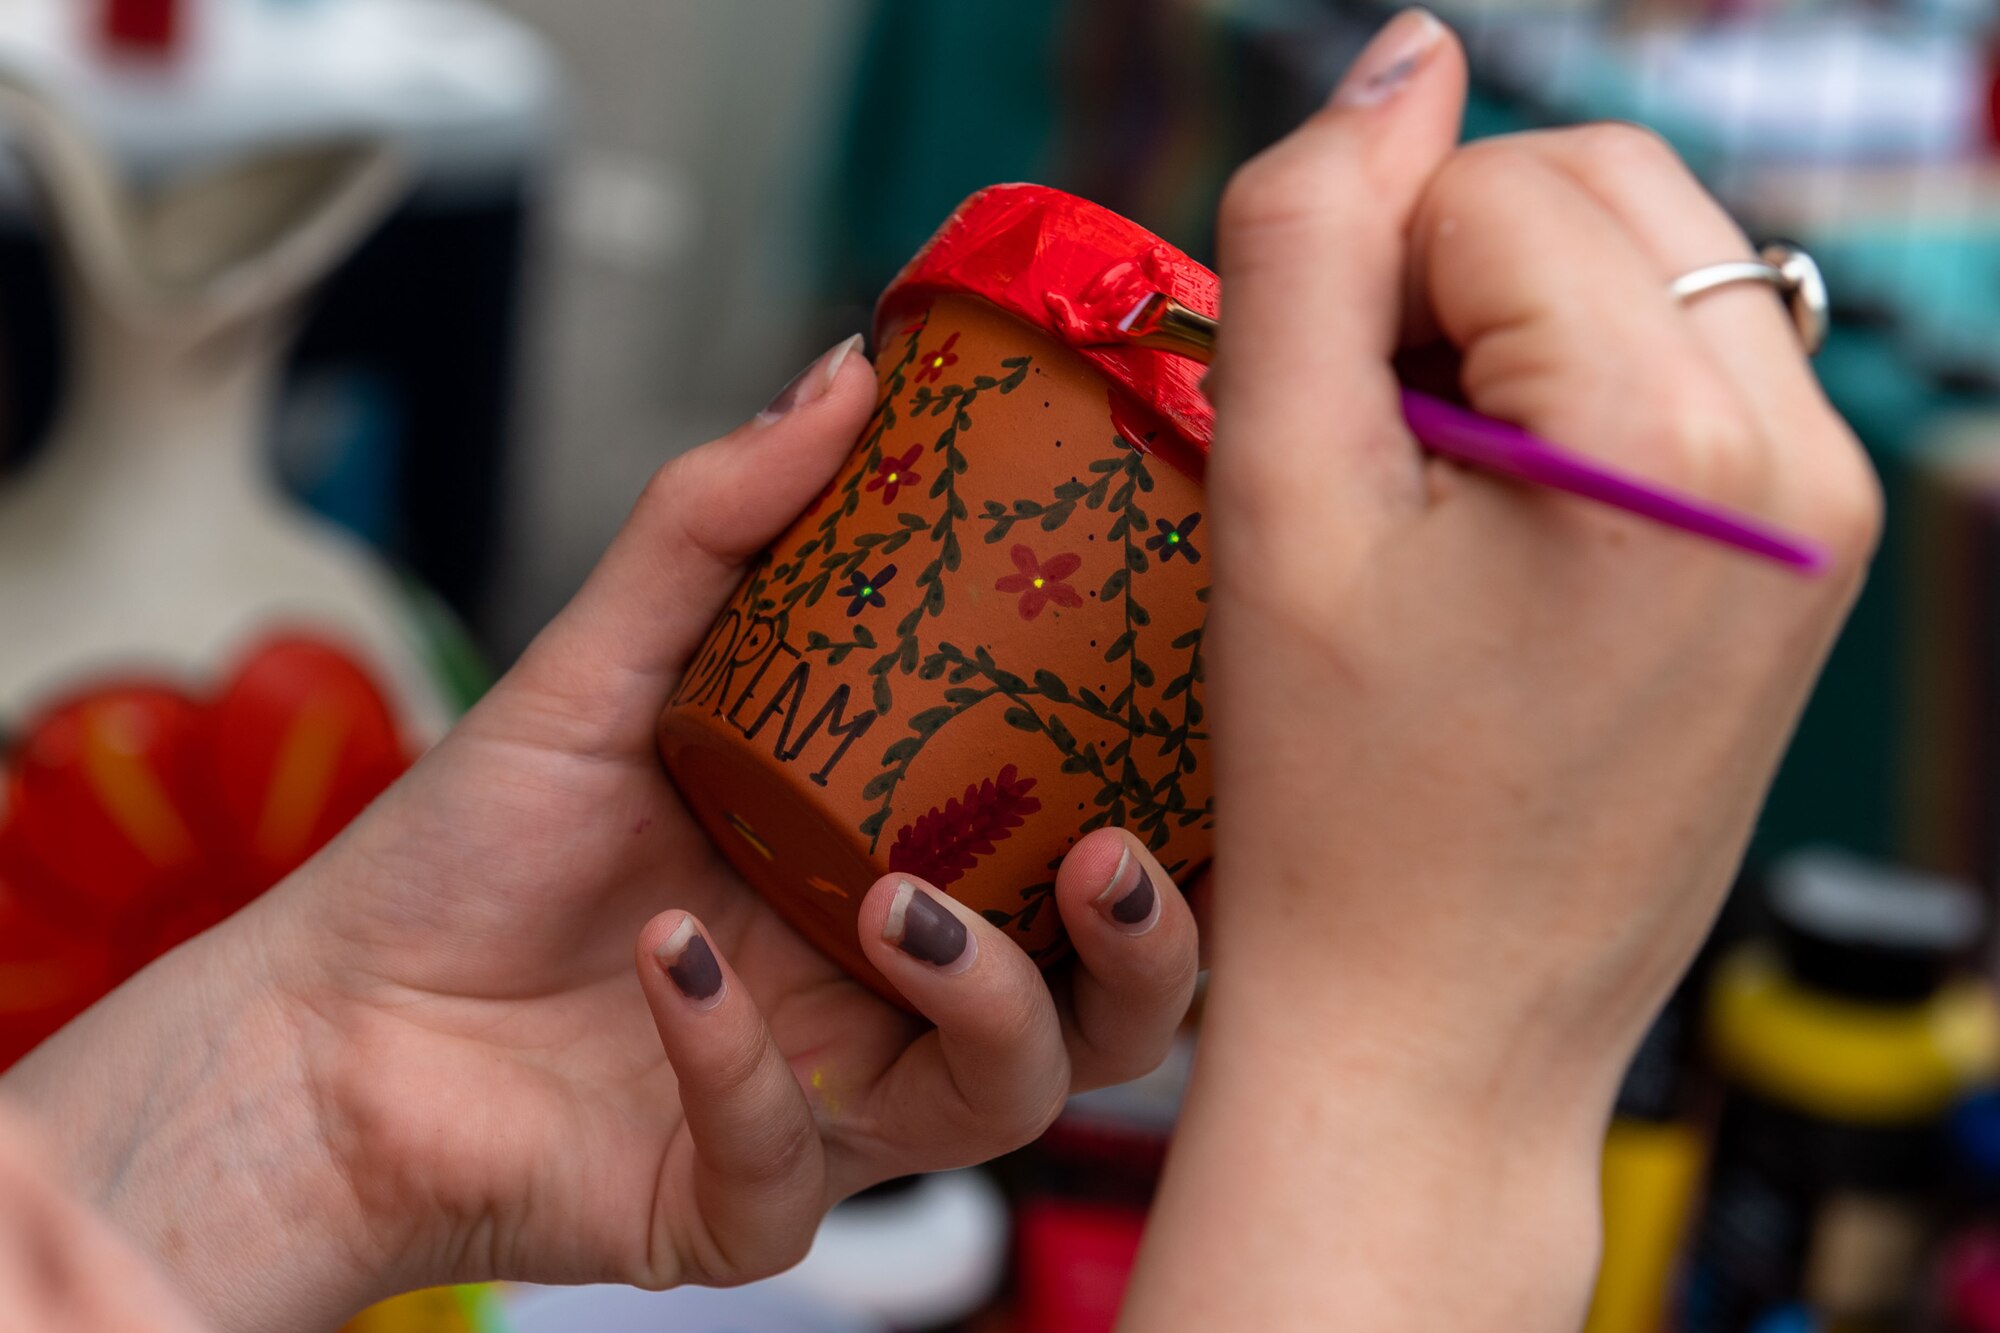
<point x="1044" y="257"/>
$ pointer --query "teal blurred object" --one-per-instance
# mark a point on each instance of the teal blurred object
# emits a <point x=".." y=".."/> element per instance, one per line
<point x="947" y="98"/>
<point x="1142" y="106"/>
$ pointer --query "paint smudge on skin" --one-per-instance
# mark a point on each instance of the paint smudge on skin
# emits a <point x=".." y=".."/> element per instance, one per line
<point x="822" y="1085"/>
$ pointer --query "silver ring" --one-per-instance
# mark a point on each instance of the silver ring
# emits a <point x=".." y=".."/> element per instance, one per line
<point x="1788" y="269"/>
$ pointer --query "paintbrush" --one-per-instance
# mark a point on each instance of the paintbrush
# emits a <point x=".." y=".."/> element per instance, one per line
<point x="1158" y="321"/>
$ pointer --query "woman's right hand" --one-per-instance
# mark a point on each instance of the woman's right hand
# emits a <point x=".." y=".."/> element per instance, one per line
<point x="1489" y="755"/>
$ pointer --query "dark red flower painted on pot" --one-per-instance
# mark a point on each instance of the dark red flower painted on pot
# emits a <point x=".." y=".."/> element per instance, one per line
<point x="945" y="842"/>
<point x="1040" y="583"/>
<point x="932" y="365"/>
<point x="892" y="474"/>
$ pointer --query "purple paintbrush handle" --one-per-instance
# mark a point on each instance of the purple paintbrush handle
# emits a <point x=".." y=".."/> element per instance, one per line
<point x="1446" y="429"/>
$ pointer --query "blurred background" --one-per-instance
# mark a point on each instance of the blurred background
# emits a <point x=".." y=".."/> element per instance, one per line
<point x="461" y="275"/>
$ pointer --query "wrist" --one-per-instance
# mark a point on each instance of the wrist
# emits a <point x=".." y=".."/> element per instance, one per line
<point x="183" y="1109"/>
<point x="1336" y="1174"/>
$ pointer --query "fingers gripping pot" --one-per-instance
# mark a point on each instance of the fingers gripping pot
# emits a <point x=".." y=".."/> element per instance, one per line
<point x="984" y="639"/>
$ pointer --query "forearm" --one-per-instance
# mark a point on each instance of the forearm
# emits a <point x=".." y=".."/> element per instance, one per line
<point x="1320" y="1179"/>
<point x="179" y="1108"/>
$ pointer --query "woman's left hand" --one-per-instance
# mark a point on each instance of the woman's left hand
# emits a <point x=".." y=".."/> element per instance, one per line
<point x="432" y="1056"/>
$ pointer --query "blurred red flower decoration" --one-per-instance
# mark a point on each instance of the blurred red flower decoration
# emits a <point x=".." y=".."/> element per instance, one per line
<point x="137" y="816"/>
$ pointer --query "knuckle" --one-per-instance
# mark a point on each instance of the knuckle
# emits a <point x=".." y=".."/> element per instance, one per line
<point x="1265" y="190"/>
<point x="1280" y="206"/>
<point x="1041" y="1113"/>
<point x="663" y="490"/>
<point x="1136" y="1058"/>
<point x="736" y="1070"/>
<point x="1846" y="507"/>
<point x="671" y="506"/>
<point x="1490" y="170"/>
<point x="1030" y="1109"/>
<point x="1620" y="148"/>
<point x="777" y="1244"/>
<point x="776" y="1154"/>
<point x="1707" y="440"/>
<point x="1484" y="196"/>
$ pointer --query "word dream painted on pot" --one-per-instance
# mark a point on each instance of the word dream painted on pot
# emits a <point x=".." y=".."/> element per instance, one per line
<point x="731" y="670"/>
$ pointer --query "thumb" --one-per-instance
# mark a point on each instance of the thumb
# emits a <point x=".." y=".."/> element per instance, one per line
<point x="626" y="633"/>
<point x="1312" y="235"/>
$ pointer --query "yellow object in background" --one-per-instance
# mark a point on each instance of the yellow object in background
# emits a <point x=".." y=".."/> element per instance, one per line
<point x="1845" y="1059"/>
<point x="439" y="1310"/>
<point x="1650" y="1172"/>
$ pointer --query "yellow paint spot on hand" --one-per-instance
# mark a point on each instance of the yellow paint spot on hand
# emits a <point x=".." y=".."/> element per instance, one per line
<point x="822" y="1085"/>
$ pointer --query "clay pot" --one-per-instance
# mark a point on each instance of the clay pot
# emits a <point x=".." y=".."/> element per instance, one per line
<point x="984" y="639"/>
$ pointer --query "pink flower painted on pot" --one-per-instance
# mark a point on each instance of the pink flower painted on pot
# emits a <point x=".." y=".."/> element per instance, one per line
<point x="932" y="365"/>
<point x="948" y="840"/>
<point x="892" y="474"/>
<point x="1039" y="583"/>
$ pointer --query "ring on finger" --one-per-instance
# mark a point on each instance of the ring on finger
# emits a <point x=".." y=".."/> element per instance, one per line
<point x="1785" y="268"/>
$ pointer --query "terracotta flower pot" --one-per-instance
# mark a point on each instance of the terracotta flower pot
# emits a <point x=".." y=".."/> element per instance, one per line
<point x="985" y="638"/>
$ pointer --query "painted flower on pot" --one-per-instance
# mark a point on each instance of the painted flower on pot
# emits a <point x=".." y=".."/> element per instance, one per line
<point x="1040" y="583"/>
<point x="892" y="474"/>
<point x="864" y="590"/>
<point x="945" y="842"/>
<point x="1174" y="539"/>
<point x="932" y="365"/>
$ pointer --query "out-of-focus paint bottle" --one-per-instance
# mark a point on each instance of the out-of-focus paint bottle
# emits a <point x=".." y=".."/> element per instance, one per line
<point x="1846" y="1038"/>
<point x="1964" y="1294"/>
<point x="1653" y="1157"/>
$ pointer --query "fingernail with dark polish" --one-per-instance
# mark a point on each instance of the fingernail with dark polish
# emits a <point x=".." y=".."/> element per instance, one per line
<point x="1390" y="60"/>
<point x="810" y="383"/>
<point x="690" y="964"/>
<point x="1130" y="902"/>
<point x="927" y="930"/>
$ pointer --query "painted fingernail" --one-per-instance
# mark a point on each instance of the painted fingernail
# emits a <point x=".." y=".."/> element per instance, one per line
<point x="690" y="964"/>
<point x="1390" y="60"/>
<point x="1130" y="902"/>
<point x="810" y="383"/>
<point x="927" y="930"/>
